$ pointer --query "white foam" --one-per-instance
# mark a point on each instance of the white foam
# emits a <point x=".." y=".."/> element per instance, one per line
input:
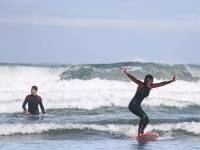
<point x="15" y="83"/>
<point x="127" y="130"/>
<point x="191" y="127"/>
<point x="12" y="129"/>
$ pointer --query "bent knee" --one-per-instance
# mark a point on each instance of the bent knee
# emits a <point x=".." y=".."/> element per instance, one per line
<point x="132" y="108"/>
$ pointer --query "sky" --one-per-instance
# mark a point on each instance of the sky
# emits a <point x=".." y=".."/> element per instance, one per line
<point x="99" y="31"/>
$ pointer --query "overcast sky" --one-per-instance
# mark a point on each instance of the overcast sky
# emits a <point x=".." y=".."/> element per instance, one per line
<point x="99" y="31"/>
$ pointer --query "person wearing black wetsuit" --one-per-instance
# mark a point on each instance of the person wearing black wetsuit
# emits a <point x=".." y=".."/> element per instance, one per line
<point x="33" y="101"/>
<point x="142" y="92"/>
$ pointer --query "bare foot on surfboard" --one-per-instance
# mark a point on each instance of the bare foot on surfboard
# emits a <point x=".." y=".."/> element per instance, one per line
<point x="148" y="136"/>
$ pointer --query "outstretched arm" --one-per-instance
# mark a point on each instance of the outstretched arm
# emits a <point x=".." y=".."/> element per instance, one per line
<point x="155" y="85"/>
<point x="124" y="70"/>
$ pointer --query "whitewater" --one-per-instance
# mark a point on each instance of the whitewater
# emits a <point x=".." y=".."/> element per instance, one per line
<point x="87" y="104"/>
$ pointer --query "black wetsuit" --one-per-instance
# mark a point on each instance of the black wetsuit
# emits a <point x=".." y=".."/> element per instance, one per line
<point x="33" y="102"/>
<point x="134" y="107"/>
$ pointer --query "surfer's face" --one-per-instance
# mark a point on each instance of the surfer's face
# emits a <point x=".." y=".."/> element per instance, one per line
<point x="148" y="80"/>
<point x="33" y="91"/>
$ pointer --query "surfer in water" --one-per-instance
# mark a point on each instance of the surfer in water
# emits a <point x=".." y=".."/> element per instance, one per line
<point x="33" y="101"/>
<point x="143" y="91"/>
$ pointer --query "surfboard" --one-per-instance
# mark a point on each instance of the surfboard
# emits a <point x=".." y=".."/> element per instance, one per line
<point x="148" y="136"/>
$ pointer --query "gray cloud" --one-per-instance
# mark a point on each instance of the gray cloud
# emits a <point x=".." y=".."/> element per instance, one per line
<point x="169" y="25"/>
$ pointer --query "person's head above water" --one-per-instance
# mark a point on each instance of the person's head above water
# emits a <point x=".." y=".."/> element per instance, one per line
<point x="34" y="90"/>
<point x="148" y="78"/>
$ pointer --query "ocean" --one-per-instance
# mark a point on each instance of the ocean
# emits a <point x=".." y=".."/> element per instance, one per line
<point x="86" y="107"/>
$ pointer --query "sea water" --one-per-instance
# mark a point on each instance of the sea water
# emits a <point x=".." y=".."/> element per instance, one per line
<point x="86" y="107"/>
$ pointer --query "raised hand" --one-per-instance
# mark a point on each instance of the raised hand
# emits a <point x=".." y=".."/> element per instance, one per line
<point x="124" y="69"/>
<point x="173" y="78"/>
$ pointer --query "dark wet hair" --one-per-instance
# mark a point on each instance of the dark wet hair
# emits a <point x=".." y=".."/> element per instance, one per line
<point x="148" y="76"/>
<point x="34" y="87"/>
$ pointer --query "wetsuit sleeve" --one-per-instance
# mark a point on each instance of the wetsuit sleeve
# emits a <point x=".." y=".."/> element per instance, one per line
<point x="41" y="106"/>
<point x="134" y="79"/>
<point x="24" y="103"/>
<point x="155" y="85"/>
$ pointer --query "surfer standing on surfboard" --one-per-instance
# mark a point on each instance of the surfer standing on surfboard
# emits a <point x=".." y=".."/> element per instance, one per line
<point x="143" y="91"/>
